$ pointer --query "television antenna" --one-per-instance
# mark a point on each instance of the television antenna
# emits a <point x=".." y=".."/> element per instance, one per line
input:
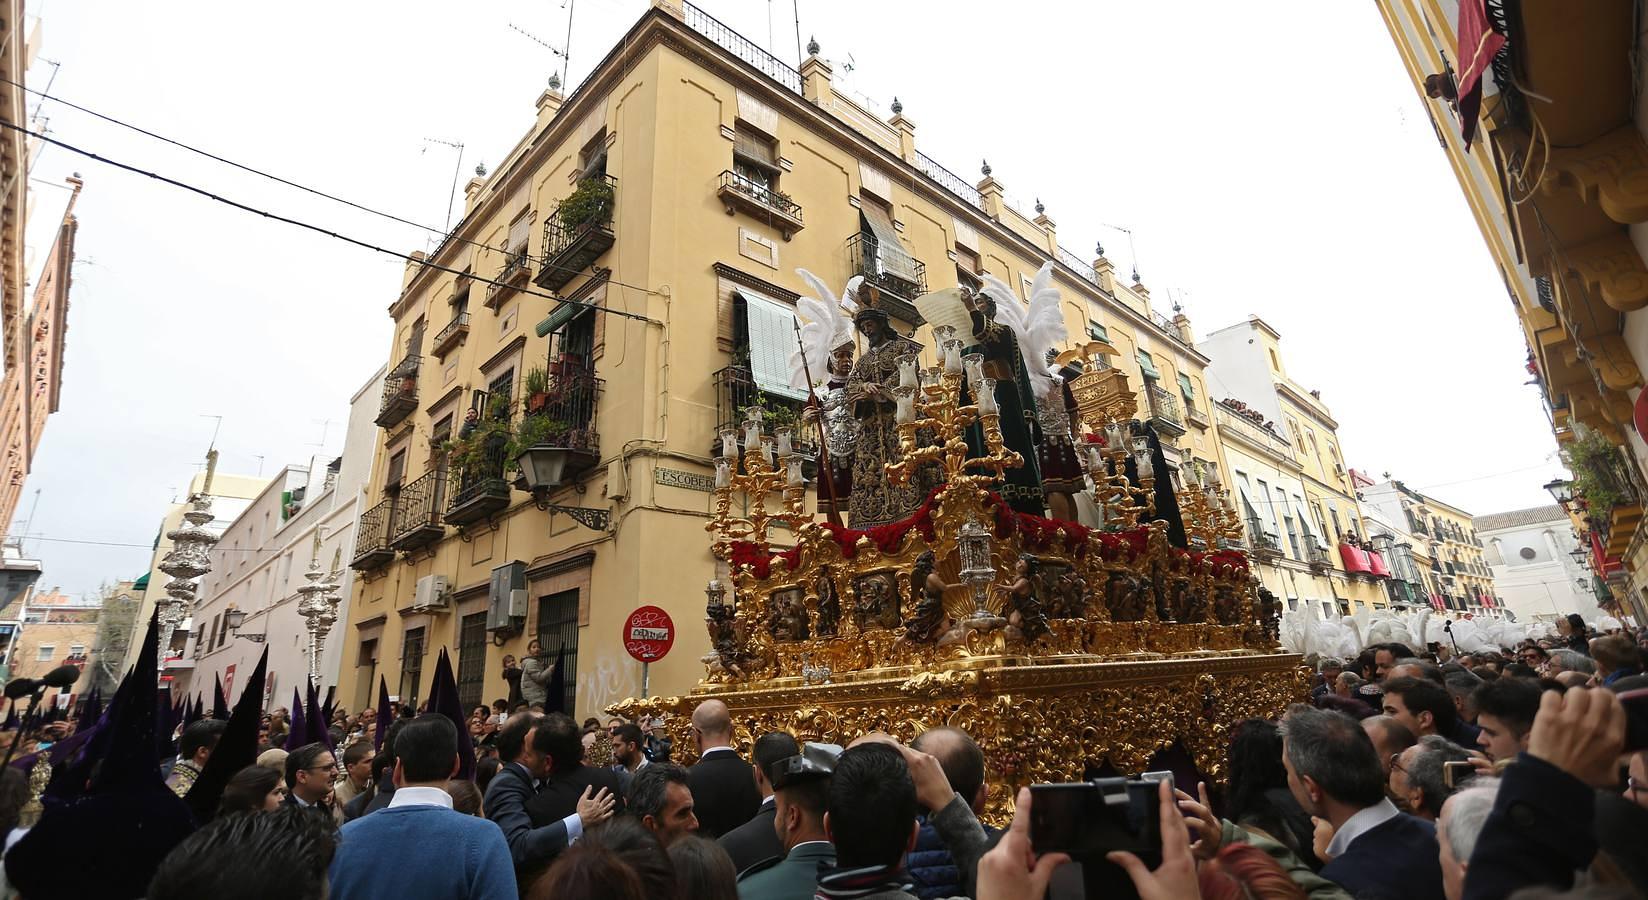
<point x="458" y="146"/>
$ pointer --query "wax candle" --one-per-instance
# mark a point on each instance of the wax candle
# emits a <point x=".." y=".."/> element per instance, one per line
<point x="723" y="472"/>
<point x="973" y="365"/>
<point x="952" y="357"/>
<point x="752" y="435"/>
<point x="784" y="447"/>
<point x="795" y="477"/>
<point x="987" y="397"/>
<point x="729" y="444"/>
<point x="907" y="371"/>
<point x="906" y="413"/>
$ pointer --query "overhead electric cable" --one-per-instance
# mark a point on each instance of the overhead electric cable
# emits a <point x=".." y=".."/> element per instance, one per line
<point x="318" y="229"/>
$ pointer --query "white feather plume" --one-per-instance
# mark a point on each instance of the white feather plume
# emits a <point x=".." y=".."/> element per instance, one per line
<point x="1012" y="314"/>
<point x="826" y="324"/>
<point x="1045" y="329"/>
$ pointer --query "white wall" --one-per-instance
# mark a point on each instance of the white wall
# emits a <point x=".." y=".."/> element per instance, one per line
<point x="1534" y="574"/>
<point x="1241" y="369"/>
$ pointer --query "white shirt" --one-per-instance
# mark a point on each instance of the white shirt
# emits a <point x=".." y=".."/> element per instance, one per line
<point x="1363" y="822"/>
<point x="420" y="796"/>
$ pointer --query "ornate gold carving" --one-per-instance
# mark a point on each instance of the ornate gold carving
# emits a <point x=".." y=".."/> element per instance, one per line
<point x="1611" y="266"/>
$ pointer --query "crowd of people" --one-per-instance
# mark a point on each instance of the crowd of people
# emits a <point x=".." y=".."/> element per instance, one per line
<point x="1411" y="775"/>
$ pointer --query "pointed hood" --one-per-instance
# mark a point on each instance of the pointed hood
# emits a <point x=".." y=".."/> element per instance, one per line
<point x="1167" y="502"/>
<point x="314" y="724"/>
<point x="297" y="735"/>
<point x="385" y="714"/>
<point x="556" y="702"/>
<point x="236" y="749"/>
<point x="124" y="808"/>
<point x="220" y="700"/>
<point x="90" y="712"/>
<point x="327" y="706"/>
<point x="443" y="700"/>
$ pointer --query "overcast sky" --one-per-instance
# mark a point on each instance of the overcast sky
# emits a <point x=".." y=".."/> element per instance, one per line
<point x="1260" y="168"/>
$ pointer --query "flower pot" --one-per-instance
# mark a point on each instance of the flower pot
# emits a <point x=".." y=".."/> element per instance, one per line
<point x="537" y="401"/>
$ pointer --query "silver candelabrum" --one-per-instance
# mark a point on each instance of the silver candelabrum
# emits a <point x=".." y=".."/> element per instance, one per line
<point x="318" y="604"/>
<point x="186" y="562"/>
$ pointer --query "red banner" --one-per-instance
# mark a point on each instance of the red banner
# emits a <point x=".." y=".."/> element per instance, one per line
<point x="1478" y="44"/>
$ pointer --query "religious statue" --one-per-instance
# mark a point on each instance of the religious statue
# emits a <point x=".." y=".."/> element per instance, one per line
<point x="1062" y="474"/>
<point x="1004" y="361"/>
<point x="788" y="619"/>
<point x="725" y="640"/>
<point x="875" y="603"/>
<point x="876" y="500"/>
<point x="929" y="622"/>
<point x="829" y="605"/>
<point x="1069" y="592"/>
<point x="1270" y="614"/>
<point x="821" y="365"/>
<point x="1026" y="618"/>
<point x="1125" y="596"/>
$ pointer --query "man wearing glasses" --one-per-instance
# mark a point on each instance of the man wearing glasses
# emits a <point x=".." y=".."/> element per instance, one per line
<point x="310" y="771"/>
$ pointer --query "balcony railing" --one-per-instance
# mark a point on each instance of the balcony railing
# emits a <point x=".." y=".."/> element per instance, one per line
<point x="740" y="46"/>
<point x="889" y="268"/>
<point x="400" y="393"/>
<point x="1195" y="416"/>
<point x="578" y="231"/>
<point x="1263" y="545"/>
<point x="1081" y="268"/>
<point x="452" y="336"/>
<point x="949" y="180"/>
<point x="1235" y="423"/>
<point x="1319" y="558"/>
<point x="738" y="192"/>
<point x="565" y="415"/>
<point x="418" y="508"/>
<point x="1164" y="408"/>
<point x="736" y="392"/>
<point x="1166" y="324"/>
<point x="517" y="272"/>
<point x="372" y="537"/>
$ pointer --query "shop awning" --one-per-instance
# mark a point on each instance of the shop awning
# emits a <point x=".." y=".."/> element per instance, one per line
<point x="562" y="314"/>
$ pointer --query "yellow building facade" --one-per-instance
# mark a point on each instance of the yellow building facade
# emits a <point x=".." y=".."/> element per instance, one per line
<point x="1555" y="182"/>
<point x="1290" y="483"/>
<point x="626" y="279"/>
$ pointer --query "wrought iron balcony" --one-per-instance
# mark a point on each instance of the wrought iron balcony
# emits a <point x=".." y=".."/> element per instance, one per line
<point x="900" y="276"/>
<point x="417" y="519"/>
<point x="1196" y="416"/>
<point x="372" y="537"/>
<point x="1172" y="330"/>
<point x="739" y="193"/>
<point x="1164" y="410"/>
<point x="481" y="489"/>
<point x="517" y="272"/>
<point x="578" y="231"/>
<point x="736" y="391"/>
<point x="452" y="336"/>
<point x="1263" y="545"/>
<point x="1319" y="559"/>
<point x="1233" y="423"/>
<point x="400" y="393"/>
<point x="564" y="416"/>
<point x="741" y="47"/>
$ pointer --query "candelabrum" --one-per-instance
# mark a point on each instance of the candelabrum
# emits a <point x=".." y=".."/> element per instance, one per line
<point x="770" y="466"/>
<point x="318" y="604"/>
<point x="1205" y="506"/>
<point x="1117" y="494"/>
<point x="932" y="422"/>
<point x="186" y="562"/>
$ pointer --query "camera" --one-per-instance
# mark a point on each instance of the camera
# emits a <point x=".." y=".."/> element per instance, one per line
<point x="1088" y="819"/>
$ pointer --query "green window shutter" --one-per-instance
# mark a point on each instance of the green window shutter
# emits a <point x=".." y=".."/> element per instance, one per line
<point x="1148" y="365"/>
<point x="772" y="336"/>
<point x="1186" y="388"/>
<point x="1097" y="332"/>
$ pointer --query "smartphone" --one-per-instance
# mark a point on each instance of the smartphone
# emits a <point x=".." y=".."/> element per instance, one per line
<point x="1088" y="819"/>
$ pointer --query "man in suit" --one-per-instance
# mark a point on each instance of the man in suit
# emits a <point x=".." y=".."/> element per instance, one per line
<point x="531" y="849"/>
<point x="309" y="773"/>
<point x="559" y="741"/>
<point x="627" y="755"/>
<point x="756" y="841"/>
<point x="723" y="787"/>
<point x="419" y="846"/>
<point x="801" y="786"/>
<point x="1333" y="771"/>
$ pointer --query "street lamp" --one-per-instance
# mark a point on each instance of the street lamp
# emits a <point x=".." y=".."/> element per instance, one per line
<point x="235" y="618"/>
<point x="1561" y="491"/>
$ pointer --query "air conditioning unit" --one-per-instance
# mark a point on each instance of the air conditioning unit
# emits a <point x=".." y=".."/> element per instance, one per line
<point x="506" y="599"/>
<point x="431" y="594"/>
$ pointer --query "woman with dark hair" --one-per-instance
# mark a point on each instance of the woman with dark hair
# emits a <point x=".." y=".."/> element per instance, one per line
<point x="1572" y="629"/>
<point x="252" y="789"/>
<point x="639" y="848"/>
<point x="485" y="768"/>
<point x="703" y="871"/>
<point x="588" y="870"/>
<point x="1258" y="798"/>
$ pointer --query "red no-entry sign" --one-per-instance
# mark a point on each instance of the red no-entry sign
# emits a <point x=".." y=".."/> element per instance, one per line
<point x="648" y="634"/>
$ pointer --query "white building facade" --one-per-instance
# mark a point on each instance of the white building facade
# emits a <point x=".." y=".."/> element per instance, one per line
<point x="306" y="513"/>
<point x="1532" y="554"/>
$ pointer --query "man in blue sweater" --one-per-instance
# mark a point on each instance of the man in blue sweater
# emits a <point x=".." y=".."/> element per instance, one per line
<point x="1333" y="771"/>
<point x="418" y="846"/>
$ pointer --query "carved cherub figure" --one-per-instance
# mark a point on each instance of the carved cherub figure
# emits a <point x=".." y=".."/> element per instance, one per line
<point x="930" y="621"/>
<point x="1026" y="617"/>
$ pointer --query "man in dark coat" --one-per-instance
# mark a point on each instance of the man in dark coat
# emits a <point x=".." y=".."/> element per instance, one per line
<point x="559" y="741"/>
<point x="755" y="841"/>
<point x="723" y="787"/>
<point x="515" y="785"/>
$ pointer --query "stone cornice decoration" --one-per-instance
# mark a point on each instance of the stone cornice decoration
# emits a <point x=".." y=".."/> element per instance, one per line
<point x="738" y="276"/>
<point x="1612" y="267"/>
<point x="1610" y="172"/>
<point x="372" y="622"/>
<point x="555" y="566"/>
<point x="502" y="355"/>
<point x="448" y="397"/>
<point x="1307" y="404"/>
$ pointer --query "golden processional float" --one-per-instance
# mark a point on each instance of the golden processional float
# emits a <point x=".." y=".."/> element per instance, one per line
<point x="1059" y="648"/>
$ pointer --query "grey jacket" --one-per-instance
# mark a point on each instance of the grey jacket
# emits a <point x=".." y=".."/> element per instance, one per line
<point x="535" y="674"/>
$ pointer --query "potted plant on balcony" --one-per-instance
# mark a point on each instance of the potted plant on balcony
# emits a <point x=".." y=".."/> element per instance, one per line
<point x="540" y="450"/>
<point x="589" y="201"/>
<point x="536" y="388"/>
<point x="1591" y="459"/>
